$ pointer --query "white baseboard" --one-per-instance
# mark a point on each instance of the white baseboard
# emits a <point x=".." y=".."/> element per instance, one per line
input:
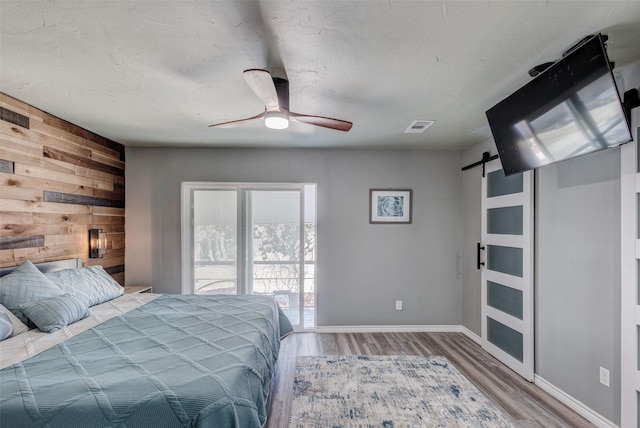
<point x="389" y="329"/>
<point x="592" y="416"/>
<point x="399" y="329"/>
<point x="471" y="335"/>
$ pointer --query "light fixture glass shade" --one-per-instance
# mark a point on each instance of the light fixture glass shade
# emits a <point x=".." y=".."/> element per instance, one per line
<point x="97" y="243"/>
<point x="276" y="120"/>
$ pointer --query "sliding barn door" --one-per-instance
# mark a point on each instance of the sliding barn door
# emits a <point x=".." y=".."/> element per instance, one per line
<point x="630" y="276"/>
<point x="506" y="258"/>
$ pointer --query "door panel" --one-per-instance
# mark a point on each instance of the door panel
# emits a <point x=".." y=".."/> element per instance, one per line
<point x="215" y="231"/>
<point x="274" y="247"/>
<point x="505" y="338"/>
<point x="507" y="274"/>
<point x="505" y="259"/>
<point x="498" y="184"/>
<point x="505" y="220"/>
<point x="505" y="299"/>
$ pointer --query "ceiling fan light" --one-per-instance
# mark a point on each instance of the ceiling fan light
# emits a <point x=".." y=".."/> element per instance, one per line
<point x="276" y="120"/>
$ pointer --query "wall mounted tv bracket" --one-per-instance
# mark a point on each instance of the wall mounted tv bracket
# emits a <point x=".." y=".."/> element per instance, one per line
<point x="631" y="101"/>
<point x="538" y="69"/>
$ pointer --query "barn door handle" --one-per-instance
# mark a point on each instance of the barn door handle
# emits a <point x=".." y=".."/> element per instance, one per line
<point x="479" y="256"/>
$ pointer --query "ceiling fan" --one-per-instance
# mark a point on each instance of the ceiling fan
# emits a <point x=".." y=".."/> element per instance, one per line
<point x="274" y="93"/>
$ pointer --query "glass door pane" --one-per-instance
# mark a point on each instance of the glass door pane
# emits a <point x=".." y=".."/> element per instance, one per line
<point x="505" y="338"/>
<point x="274" y="252"/>
<point x="505" y="299"/>
<point x="505" y="259"/>
<point x="215" y="232"/>
<point x="499" y="184"/>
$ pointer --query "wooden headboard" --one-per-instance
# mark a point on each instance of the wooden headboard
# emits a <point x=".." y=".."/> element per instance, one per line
<point x="48" y="266"/>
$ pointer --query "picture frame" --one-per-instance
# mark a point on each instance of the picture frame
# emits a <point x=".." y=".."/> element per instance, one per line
<point x="390" y="206"/>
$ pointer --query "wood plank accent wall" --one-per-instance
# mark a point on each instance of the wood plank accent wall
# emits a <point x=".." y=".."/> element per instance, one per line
<point x="57" y="181"/>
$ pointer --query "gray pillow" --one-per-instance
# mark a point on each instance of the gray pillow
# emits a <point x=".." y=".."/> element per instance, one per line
<point x="52" y="314"/>
<point x="91" y="284"/>
<point x="6" y="328"/>
<point x="24" y="285"/>
<point x="18" y="326"/>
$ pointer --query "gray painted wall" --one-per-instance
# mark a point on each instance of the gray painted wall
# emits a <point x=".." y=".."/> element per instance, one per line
<point x="578" y="278"/>
<point x="362" y="268"/>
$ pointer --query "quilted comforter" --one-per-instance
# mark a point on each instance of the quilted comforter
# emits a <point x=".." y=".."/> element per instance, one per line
<point x="179" y="360"/>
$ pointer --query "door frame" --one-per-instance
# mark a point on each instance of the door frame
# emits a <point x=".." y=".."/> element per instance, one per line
<point x="525" y="284"/>
<point x="187" y="189"/>
<point x="630" y="273"/>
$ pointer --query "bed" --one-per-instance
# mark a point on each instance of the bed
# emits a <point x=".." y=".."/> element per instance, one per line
<point x="141" y="360"/>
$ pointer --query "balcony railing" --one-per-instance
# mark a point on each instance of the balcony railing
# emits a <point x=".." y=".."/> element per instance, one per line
<point x="220" y="277"/>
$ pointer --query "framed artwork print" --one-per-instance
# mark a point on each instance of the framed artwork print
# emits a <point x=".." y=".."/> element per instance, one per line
<point x="390" y="206"/>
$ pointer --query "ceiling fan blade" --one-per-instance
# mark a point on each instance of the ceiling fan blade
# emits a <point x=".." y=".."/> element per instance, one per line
<point x="236" y="123"/>
<point x="261" y="83"/>
<point x="325" y="122"/>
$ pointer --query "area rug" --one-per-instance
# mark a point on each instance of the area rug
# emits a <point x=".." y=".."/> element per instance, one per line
<point x="381" y="391"/>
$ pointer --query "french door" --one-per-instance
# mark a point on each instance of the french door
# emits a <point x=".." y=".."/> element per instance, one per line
<point x="507" y="269"/>
<point x="252" y="239"/>
<point x="630" y="277"/>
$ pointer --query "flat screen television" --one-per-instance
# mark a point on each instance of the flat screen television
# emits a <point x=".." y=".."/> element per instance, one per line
<point x="570" y="109"/>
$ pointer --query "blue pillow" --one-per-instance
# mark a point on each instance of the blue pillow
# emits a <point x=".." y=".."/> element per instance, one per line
<point x="24" y="285"/>
<point x="52" y="314"/>
<point x="91" y="284"/>
<point x="6" y="327"/>
<point x="18" y="326"/>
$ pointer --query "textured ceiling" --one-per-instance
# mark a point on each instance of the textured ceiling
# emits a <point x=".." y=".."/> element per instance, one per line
<point x="157" y="73"/>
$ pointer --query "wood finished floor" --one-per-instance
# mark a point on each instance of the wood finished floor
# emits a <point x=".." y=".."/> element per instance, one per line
<point x="527" y="404"/>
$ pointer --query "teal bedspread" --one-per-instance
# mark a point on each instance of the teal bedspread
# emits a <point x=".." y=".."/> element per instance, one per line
<point x="178" y="361"/>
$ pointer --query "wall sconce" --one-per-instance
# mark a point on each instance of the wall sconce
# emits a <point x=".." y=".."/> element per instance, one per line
<point x="97" y="243"/>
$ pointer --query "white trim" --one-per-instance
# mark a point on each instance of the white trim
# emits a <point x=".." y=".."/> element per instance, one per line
<point x="471" y="335"/>
<point x="504" y="279"/>
<point x="505" y="318"/>
<point x="512" y="199"/>
<point x="315" y="269"/>
<point x="400" y="329"/>
<point x="579" y="407"/>
<point x="505" y="240"/>
<point x="186" y="250"/>
<point x="629" y="189"/>
<point x="390" y="329"/>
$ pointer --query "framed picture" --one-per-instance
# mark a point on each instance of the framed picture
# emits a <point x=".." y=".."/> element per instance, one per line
<point x="390" y="206"/>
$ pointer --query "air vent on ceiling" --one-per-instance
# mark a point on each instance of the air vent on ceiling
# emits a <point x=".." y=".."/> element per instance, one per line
<point x="419" y="126"/>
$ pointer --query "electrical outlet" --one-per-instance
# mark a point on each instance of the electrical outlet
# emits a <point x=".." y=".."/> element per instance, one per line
<point x="604" y="376"/>
<point x="398" y="305"/>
